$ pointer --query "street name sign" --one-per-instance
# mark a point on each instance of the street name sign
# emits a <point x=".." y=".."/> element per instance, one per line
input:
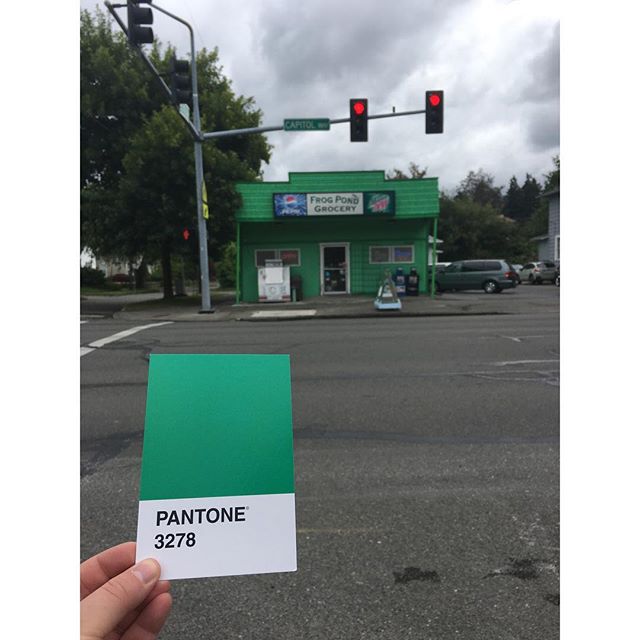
<point x="217" y="482"/>
<point x="307" y="124"/>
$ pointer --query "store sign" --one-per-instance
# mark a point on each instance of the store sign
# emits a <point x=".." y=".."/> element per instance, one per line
<point x="295" y="205"/>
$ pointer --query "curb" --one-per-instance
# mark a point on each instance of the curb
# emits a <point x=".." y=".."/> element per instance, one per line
<point x="246" y="317"/>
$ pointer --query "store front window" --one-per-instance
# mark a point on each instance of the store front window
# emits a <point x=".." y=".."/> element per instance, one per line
<point x="391" y="254"/>
<point x="289" y="257"/>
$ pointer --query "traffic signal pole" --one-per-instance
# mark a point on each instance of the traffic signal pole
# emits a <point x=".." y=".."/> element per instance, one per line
<point x="205" y="290"/>
<point x="238" y="132"/>
<point x="194" y="127"/>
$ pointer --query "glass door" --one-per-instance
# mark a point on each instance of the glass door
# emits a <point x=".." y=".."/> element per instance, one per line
<point x="335" y="268"/>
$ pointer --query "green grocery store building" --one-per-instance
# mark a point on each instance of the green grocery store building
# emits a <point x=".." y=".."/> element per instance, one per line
<point x="339" y="232"/>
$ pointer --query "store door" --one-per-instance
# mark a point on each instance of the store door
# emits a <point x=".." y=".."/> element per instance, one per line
<point x="334" y="268"/>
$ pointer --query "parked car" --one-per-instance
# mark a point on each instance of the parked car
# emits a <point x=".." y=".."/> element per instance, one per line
<point x="539" y="272"/>
<point x="490" y="275"/>
<point x="440" y="266"/>
<point x="517" y="268"/>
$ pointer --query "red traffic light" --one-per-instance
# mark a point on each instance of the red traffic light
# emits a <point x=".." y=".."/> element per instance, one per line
<point x="434" y="111"/>
<point x="359" y="108"/>
<point x="186" y="234"/>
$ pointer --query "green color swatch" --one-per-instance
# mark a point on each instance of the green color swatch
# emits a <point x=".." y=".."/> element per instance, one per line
<point x="217" y="425"/>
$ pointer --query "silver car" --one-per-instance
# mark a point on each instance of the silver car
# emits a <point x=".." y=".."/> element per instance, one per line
<point x="539" y="272"/>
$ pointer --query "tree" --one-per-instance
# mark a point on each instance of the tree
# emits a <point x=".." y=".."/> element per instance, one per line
<point x="415" y="173"/>
<point x="138" y="179"/>
<point x="552" y="179"/>
<point x="472" y="230"/>
<point x="513" y="206"/>
<point x="531" y="191"/>
<point x="538" y="224"/>
<point x="520" y="202"/>
<point x="479" y="188"/>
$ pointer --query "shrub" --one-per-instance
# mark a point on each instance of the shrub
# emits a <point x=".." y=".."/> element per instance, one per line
<point x="226" y="268"/>
<point x="90" y="277"/>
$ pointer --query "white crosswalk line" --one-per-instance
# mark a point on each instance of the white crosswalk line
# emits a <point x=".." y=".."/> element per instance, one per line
<point x="96" y="344"/>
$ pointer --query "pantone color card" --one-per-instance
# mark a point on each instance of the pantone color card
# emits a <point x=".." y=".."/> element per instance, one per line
<point x="217" y="485"/>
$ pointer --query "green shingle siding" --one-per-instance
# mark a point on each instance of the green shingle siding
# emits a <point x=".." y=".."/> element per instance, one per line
<point x="416" y="206"/>
<point x="414" y="198"/>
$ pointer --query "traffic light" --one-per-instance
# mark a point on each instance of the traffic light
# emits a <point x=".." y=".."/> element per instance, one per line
<point x="188" y="243"/>
<point x="180" y="81"/>
<point x="136" y="16"/>
<point x="435" y="111"/>
<point x="358" y="115"/>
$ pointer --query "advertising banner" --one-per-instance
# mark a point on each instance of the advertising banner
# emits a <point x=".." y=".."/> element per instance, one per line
<point x="368" y="203"/>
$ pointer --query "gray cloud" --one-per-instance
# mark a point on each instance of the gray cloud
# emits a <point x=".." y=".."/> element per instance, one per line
<point x="544" y="128"/>
<point x="497" y="62"/>
<point x="544" y="71"/>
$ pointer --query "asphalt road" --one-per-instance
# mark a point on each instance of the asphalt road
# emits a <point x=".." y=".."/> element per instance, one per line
<point x="427" y="475"/>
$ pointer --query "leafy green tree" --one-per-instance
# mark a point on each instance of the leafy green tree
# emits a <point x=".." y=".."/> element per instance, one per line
<point x="138" y="177"/>
<point x="479" y="188"/>
<point x="552" y="179"/>
<point x="531" y="191"/>
<point x="513" y="205"/>
<point x="538" y="224"/>
<point x="520" y="202"/>
<point x="227" y="266"/>
<point x="415" y="173"/>
<point x="472" y="230"/>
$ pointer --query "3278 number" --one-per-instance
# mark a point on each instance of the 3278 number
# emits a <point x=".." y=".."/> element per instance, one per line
<point x="174" y="540"/>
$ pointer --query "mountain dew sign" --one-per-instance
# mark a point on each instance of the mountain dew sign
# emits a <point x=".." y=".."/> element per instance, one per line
<point x="368" y="203"/>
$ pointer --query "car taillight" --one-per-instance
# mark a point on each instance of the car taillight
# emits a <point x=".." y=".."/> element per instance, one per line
<point x="536" y="269"/>
<point x="509" y="274"/>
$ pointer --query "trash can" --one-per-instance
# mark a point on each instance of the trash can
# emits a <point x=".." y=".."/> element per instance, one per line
<point x="399" y="280"/>
<point x="413" y="282"/>
<point x="296" y="288"/>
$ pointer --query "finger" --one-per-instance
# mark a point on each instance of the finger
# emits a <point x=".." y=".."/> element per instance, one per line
<point x="99" y="569"/>
<point x="102" y="610"/>
<point x="162" y="587"/>
<point x="152" y="618"/>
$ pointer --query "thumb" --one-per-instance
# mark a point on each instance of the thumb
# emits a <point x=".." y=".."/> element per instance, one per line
<point x="102" y="610"/>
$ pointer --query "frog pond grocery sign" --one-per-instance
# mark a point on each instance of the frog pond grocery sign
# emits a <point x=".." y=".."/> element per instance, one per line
<point x="286" y="205"/>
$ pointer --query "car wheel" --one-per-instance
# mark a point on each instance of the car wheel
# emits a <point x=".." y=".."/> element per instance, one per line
<point x="491" y="286"/>
<point x="531" y="280"/>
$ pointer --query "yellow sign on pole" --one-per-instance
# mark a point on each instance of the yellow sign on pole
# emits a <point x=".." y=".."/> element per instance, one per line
<point x="205" y="204"/>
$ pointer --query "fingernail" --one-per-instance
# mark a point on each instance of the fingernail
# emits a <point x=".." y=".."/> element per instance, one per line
<point x="147" y="571"/>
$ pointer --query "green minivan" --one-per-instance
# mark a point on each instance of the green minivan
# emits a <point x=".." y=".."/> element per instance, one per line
<point x="490" y="275"/>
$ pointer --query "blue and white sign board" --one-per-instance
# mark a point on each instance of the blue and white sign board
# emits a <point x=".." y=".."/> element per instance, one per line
<point x="296" y="205"/>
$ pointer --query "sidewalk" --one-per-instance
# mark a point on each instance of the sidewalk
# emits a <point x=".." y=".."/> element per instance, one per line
<point x="518" y="301"/>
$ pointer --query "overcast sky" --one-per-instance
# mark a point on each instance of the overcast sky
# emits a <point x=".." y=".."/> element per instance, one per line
<point x="496" y="60"/>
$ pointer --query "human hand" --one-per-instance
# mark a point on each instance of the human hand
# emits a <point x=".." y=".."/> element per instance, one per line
<point x="119" y="600"/>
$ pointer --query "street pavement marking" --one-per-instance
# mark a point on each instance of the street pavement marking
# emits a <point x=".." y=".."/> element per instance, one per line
<point x="296" y="313"/>
<point x="96" y="344"/>
<point x="509" y="362"/>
